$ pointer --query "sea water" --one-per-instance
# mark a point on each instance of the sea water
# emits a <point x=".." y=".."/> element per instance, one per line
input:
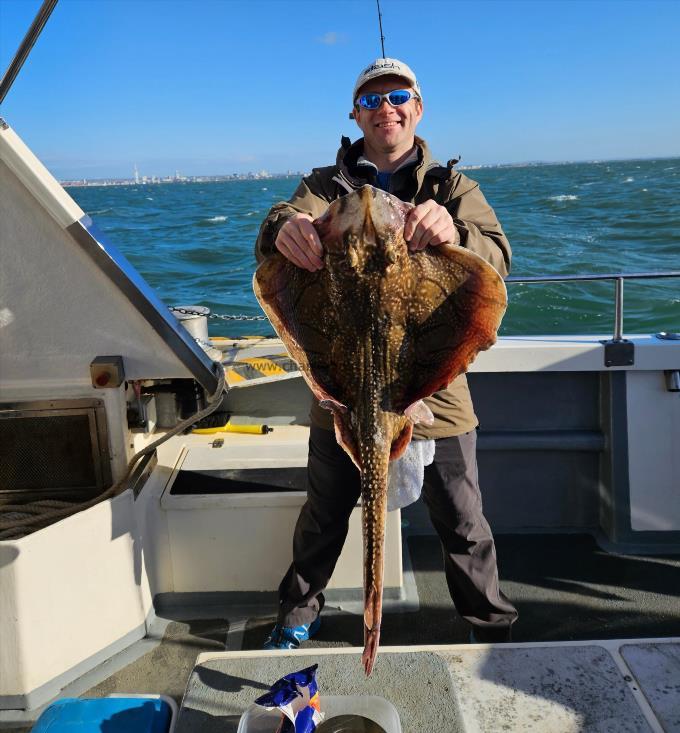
<point x="193" y="242"/>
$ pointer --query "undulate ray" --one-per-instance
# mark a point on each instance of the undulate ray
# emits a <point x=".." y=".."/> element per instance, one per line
<point x="374" y="332"/>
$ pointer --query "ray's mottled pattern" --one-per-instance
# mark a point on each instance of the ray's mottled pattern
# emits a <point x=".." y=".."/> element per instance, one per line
<point x="374" y="331"/>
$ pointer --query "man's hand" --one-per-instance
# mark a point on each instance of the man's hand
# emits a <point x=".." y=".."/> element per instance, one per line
<point x="299" y="242"/>
<point x="429" y="224"/>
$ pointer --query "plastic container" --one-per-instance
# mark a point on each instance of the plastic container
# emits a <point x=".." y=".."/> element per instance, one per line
<point x="258" y="720"/>
<point x="115" y="714"/>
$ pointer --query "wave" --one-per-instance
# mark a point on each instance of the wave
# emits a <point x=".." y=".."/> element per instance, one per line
<point x="628" y="180"/>
<point x="187" y="249"/>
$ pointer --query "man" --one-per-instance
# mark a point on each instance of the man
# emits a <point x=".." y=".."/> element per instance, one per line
<point x="449" y="209"/>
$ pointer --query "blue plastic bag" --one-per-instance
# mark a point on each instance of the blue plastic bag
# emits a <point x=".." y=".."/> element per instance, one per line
<point x="297" y="697"/>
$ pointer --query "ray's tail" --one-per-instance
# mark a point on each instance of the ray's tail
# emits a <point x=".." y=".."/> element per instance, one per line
<point x="374" y="509"/>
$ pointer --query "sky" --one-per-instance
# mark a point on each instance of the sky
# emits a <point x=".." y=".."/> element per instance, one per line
<point x="220" y="86"/>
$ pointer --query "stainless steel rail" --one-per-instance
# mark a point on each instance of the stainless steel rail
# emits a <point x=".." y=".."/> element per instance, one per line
<point x="618" y="279"/>
<point x="25" y="48"/>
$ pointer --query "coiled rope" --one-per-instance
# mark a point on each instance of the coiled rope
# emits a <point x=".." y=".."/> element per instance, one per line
<point x="19" y="520"/>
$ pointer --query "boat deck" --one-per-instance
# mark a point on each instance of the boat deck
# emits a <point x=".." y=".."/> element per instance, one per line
<point x="567" y="590"/>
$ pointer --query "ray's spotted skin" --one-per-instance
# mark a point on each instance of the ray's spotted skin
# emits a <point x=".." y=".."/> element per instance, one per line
<point x="374" y="332"/>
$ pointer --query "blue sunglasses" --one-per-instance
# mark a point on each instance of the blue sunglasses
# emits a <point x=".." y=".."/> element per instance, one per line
<point x="396" y="98"/>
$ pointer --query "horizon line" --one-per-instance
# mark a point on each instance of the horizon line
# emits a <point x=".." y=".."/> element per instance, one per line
<point x="467" y="166"/>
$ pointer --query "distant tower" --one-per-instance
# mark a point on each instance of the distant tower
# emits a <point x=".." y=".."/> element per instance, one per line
<point x="136" y="174"/>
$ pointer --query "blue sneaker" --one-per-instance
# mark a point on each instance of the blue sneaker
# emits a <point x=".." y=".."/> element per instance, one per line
<point x="290" y="637"/>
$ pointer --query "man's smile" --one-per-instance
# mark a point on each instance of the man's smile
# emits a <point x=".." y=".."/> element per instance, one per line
<point x="389" y="129"/>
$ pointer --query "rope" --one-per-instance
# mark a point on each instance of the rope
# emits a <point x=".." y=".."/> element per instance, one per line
<point x="14" y="528"/>
<point x="38" y="502"/>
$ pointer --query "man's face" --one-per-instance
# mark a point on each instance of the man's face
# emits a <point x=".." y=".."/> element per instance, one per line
<point x="389" y="129"/>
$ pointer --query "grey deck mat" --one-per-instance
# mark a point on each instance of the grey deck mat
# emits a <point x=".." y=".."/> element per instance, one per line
<point x="657" y="670"/>
<point x="542" y="690"/>
<point x="220" y="689"/>
<point x="565" y="588"/>
<point x="164" y="669"/>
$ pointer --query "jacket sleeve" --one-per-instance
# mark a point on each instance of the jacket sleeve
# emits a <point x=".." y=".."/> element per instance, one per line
<point x="477" y="224"/>
<point x="311" y="197"/>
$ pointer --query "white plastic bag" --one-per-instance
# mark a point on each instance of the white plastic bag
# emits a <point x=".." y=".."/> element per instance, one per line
<point x="406" y="474"/>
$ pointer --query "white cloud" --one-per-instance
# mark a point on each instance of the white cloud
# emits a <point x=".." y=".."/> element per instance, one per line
<point x="331" y="38"/>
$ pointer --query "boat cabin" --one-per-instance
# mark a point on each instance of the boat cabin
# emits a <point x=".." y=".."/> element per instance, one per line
<point x="130" y="544"/>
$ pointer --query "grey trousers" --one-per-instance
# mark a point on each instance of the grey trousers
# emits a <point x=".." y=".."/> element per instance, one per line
<point x="451" y="494"/>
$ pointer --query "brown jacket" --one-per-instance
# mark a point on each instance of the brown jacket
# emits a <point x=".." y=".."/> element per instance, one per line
<point x="426" y="179"/>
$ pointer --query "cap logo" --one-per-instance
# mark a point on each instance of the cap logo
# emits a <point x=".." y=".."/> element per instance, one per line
<point x="375" y="67"/>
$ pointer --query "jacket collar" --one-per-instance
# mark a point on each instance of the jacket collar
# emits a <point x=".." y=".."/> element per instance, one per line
<point x="414" y="157"/>
<point x="349" y="154"/>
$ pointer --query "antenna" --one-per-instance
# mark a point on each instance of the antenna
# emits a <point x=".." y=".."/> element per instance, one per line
<point x="26" y="45"/>
<point x="382" y="38"/>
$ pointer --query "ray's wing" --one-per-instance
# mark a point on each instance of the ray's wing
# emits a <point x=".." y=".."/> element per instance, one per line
<point x="296" y="303"/>
<point x="456" y="306"/>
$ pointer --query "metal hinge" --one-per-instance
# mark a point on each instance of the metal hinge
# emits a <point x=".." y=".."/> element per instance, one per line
<point x="619" y="353"/>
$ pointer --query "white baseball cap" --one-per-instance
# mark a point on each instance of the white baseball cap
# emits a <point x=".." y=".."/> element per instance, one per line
<point x="385" y="67"/>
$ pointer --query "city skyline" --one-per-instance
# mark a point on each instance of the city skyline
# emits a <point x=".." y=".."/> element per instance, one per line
<point x="262" y="175"/>
<point x="266" y="85"/>
<point x="143" y="180"/>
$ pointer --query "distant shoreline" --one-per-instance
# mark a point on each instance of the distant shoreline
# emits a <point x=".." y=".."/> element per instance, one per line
<point x="155" y="181"/>
<point x="181" y="180"/>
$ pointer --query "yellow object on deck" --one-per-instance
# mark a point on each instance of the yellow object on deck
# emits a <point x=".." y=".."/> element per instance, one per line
<point x="256" y="367"/>
<point x="231" y="428"/>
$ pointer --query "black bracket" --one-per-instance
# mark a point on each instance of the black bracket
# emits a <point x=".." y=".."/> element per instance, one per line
<point x="619" y="353"/>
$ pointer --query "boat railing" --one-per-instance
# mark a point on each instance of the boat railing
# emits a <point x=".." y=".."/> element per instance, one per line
<point x="618" y="279"/>
<point x="618" y="351"/>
